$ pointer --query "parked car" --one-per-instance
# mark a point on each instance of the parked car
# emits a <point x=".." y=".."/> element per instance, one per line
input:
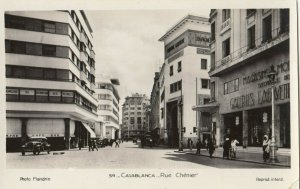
<point x="36" y="145"/>
<point x="147" y="141"/>
<point x="100" y="143"/>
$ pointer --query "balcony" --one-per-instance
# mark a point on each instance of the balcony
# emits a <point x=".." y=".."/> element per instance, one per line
<point x="93" y="86"/>
<point x="83" y="38"/>
<point x="84" y="57"/>
<point x="245" y="53"/>
<point x="226" y="26"/>
<point x="92" y="71"/>
<point x="92" y="54"/>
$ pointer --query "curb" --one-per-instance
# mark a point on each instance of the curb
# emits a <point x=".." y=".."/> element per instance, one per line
<point x="241" y="160"/>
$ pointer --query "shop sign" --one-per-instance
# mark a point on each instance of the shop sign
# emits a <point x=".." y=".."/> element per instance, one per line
<point x="54" y="93"/>
<point x="242" y="101"/>
<point x="41" y="93"/>
<point x="67" y="94"/>
<point x="13" y="135"/>
<point x="12" y="91"/>
<point x="26" y="92"/>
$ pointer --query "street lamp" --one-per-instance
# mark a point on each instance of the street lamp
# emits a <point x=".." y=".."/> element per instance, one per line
<point x="273" y="158"/>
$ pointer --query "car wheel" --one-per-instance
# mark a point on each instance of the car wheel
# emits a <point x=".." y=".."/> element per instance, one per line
<point x="23" y="153"/>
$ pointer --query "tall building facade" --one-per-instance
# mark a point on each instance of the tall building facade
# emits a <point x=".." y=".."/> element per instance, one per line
<point x="184" y="80"/>
<point x="245" y="46"/>
<point x="134" y="116"/>
<point x="50" y="78"/>
<point x="108" y="105"/>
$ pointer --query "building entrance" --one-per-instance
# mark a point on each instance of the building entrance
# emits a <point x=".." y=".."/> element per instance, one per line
<point x="172" y="123"/>
<point x="234" y="126"/>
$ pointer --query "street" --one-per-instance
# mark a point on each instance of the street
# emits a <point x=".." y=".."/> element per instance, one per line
<point x="128" y="156"/>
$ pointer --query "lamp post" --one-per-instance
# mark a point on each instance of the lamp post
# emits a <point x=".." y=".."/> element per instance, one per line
<point x="273" y="157"/>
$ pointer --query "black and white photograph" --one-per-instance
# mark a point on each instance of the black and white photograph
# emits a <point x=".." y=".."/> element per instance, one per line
<point x="150" y="94"/>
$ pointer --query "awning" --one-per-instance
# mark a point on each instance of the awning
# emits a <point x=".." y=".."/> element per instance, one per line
<point x="211" y="107"/>
<point x="93" y="135"/>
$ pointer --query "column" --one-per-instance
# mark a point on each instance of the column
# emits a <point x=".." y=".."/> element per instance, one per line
<point x="245" y="129"/>
<point x="277" y="126"/>
<point x="220" y="125"/>
<point x="67" y="133"/>
<point x="24" y="130"/>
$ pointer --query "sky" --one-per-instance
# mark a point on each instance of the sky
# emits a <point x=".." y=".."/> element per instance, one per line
<point x="127" y="47"/>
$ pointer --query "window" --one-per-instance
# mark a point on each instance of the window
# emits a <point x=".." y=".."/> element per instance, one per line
<point x="55" y="96"/>
<point x="226" y="47"/>
<point x="175" y="86"/>
<point x="225" y="15"/>
<point x="49" y="50"/>
<point x="162" y="96"/>
<point x="162" y="113"/>
<point x="179" y="66"/>
<point x="267" y="28"/>
<point x="33" y="49"/>
<point x="41" y="95"/>
<point x="213" y="60"/>
<point x="131" y="120"/>
<point x="14" y="22"/>
<point x="49" y="27"/>
<point x="206" y="101"/>
<point x="62" y="75"/>
<point x="15" y="47"/>
<point x="231" y="86"/>
<point x="284" y="20"/>
<point x="139" y="120"/>
<point x="205" y="83"/>
<point x="31" y="72"/>
<point x="12" y="94"/>
<point x="171" y="70"/>
<point x="27" y="95"/>
<point x="250" y="12"/>
<point x="251" y="37"/>
<point x="203" y="64"/>
<point x="212" y="91"/>
<point x="213" y="31"/>
<point x="49" y="74"/>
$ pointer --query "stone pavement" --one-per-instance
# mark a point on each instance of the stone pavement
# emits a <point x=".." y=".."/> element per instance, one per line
<point x="249" y="154"/>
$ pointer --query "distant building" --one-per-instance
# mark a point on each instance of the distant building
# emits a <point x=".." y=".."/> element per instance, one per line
<point x="50" y="78"/>
<point x="245" y="44"/>
<point x="184" y="77"/>
<point x="134" y="116"/>
<point x="108" y="98"/>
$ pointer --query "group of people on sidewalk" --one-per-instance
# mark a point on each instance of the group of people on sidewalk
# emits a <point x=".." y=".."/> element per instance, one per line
<point x="229" y="147"/>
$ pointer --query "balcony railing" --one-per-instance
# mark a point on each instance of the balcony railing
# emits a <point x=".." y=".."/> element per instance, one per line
<point x="226" y="25"/>
<point x="260" y="44"/>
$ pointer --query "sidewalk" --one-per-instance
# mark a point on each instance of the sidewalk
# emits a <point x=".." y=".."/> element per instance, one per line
<point x="250" y="154"/>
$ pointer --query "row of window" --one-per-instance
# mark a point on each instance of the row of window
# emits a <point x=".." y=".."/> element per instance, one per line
<point x="110" y="118"/>
<point x="37" y="73"/>
<point x="48" y="96"/>
<point x="104" y="97"/>
<point x="105" y="107"/>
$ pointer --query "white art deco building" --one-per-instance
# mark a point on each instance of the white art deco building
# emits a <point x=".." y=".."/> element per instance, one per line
<point x="50" y="78"/>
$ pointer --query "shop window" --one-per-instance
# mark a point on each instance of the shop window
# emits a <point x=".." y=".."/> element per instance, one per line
<point x="49" y="27"/>
<point x="68" y="96"/>
<point x="213" y="31"/>
<point x="27" y="95"/>
<point x="251" y="37"/>
<point x="203" y="64"/>
<point x="267" y="28"/>
<point x="41" y="95"/>
<point x="179" y="66"/>
<point x="205" y="83"/>
<point x="55" y="96"/>
<point x="225" y="14"/>
<point x="49" y="50"/>
<point x="171" y="70"/>
<point x="226" y="47"/>
<point x="12" y="94"/>
<point x="284" y="20"/>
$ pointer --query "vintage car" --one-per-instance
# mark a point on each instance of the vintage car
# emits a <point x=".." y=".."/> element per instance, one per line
<point x="36" y="145"/>
<point x="147" y="141"/>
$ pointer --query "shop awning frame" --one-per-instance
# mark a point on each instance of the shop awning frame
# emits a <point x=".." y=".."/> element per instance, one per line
<point x="93" y="135"/>
<point x="211" y="107"/>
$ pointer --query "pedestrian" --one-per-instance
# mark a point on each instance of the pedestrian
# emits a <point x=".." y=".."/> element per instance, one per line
<point x="191" y="145"/>
<point x="206" y="143"/>
<point x="226" y="147"/>
<point x="117" y="144"/>
<point x="266" y="148"/>
<point x="198" y="146"/>
<point x="188" y="143"/>
<point x="94" y="143"/>
<point x="90" y="145"/>
<point x="234" y="143"/>
<point x="211" y="147"/>
<point x="142" y="142"/>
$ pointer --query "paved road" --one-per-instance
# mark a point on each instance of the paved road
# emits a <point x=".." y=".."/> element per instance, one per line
<point x="128" y="155"/>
